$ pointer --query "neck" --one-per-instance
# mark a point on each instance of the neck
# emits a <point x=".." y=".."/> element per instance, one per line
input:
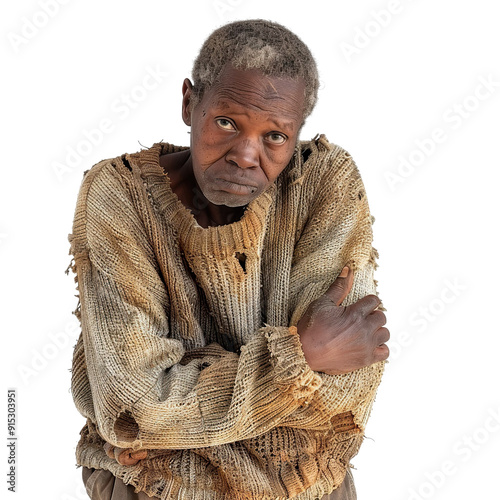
<point x="183" y="183"/>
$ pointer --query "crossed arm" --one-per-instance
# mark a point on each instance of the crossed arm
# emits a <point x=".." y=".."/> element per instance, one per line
<point x="329" y="338"/>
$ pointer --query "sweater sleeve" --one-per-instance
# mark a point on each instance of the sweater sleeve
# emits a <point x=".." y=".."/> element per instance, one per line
<point x="139" y="385"/>
<point x="130" y="377"/>
<point x="338" y="232"/>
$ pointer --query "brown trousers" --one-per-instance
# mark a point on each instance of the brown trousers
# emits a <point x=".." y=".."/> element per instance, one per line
<point x="102" y="485"/>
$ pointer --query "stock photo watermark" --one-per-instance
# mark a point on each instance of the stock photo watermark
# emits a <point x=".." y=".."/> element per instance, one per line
<point x="224" y="7"/>
<point x="453" y="118"/>
<point x="41" y="358"/>
<point x="462" y="450"/>
<point x="32" y="25"/>
<point x="12" y="440"/>
<point x="121" y="108"/>
<point x="366" y="32"/>
<point x="420" y="320"/>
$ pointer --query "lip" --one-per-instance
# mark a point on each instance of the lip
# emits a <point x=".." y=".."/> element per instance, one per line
<point x="235" y="186"/>
<point x="236" y="181"/>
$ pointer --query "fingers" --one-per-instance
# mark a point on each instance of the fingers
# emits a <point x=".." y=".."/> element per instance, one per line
<point x="381" y="353"/>
<point x="382" y="336"/>
<point x="367" y="305"/>
<point x="129" y="457"/>
<point x="377" y="319"/>
<point x="139" y="455"/>
<point x="124" y="456"/>
<point x="341" y="287"/>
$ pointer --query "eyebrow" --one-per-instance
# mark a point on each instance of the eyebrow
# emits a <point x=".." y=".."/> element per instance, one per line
<point x="287" y="126"/>
<point x="282" y="125"/>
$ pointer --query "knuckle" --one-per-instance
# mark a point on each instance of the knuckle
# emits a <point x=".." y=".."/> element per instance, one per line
<point x="382" y="352"/>
<point x="367" y="359"/>
<point x="378" y="318"/>
<point x="387" y="334"/>
<point x="355" y="311"/>
<point x="380" y="338"/>
<point x="374" y="300"/>
<point x="366" y="304"/>
<point x="123" y="457"/>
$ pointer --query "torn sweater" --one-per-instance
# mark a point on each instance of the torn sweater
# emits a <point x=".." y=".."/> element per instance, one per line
<point x="189" y="346"/>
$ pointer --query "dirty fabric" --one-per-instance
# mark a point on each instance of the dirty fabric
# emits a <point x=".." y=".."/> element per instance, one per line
<point x="190" y="354"/>
<point x="100" y="484"/>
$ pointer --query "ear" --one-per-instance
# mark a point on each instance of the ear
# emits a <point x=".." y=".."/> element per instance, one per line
<point x="187" y="90"/>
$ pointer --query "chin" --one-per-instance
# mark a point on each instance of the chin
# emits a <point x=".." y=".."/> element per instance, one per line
<point x="230" y="200"/>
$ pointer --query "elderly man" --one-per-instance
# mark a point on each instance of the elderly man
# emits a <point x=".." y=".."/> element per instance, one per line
<point x="232" y="339"/>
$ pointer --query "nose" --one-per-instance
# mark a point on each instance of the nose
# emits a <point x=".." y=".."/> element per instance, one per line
<point x="244" y="153"/>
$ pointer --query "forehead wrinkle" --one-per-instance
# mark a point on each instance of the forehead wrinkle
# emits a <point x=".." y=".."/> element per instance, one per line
<point x="247" y="97"/>
<point x="248" y="90"/>
<point x="225" y="95"/>
<point x="223" y="105"/>
<point x="263" y="88"/>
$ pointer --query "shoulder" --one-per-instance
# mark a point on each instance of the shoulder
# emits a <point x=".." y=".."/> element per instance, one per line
<point x="111" y="169"/>
<point x="106" y="193"/>
<point x="322" y="157"/>
<point x="114" y="181"/>
<point x="327" y="166"/>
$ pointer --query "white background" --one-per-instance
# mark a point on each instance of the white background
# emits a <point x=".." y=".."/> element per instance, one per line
<point x="395" y="74"/>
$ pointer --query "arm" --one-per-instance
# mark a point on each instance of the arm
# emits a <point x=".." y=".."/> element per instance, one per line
<point x="341" y="324"/>
<point x="144" y="391"/>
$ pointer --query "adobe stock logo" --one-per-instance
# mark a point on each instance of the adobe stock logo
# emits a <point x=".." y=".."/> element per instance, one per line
<point x="463" y="450"/>
<point x="426" y="315"/>
<point x="122" y="107"/>
<point x="32" y="26"/>
<point x="41" y="358"/>
<point x="364" y="35"/>
<point x="453" y="118"/>
<point x="224" y="7"/>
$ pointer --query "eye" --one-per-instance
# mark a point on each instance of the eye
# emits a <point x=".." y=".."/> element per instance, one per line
<point x="224" y="124"/>
<point x="276" y="138"/>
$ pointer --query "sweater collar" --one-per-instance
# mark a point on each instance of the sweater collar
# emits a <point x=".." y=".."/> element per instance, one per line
<point x="242" y="235"/>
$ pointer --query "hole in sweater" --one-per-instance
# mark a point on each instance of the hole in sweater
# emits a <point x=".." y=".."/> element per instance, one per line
<point x="126" y="162"/>
<point x="344" y="422"/>
<point x="126" y="428"/>
<point x="305" y="155"/>
<point x="242" y="258"/>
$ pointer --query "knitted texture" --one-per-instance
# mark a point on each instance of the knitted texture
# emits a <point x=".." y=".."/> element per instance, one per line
<point x="189" y="346"/>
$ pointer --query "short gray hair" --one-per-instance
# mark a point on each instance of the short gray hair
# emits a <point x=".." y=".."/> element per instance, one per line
<point x="256" y="44"/>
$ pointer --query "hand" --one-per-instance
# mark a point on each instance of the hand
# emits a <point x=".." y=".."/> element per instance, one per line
<point x="338" y="339"/>
<point x="124" y="456"/>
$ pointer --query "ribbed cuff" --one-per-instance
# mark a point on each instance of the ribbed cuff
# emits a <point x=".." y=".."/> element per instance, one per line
<point x="289" y="362"/>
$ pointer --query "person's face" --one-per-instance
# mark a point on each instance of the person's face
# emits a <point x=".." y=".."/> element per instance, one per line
<point x="243" y="134"/>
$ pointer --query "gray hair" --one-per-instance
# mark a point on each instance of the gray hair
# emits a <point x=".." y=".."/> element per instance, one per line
<point x="256" y="44"/>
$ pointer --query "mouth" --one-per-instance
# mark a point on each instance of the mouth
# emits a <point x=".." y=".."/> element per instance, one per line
<point x="236" y="186"/>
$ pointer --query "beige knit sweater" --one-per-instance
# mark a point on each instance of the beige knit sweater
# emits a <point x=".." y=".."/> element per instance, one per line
<point x="189" y="347"/>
